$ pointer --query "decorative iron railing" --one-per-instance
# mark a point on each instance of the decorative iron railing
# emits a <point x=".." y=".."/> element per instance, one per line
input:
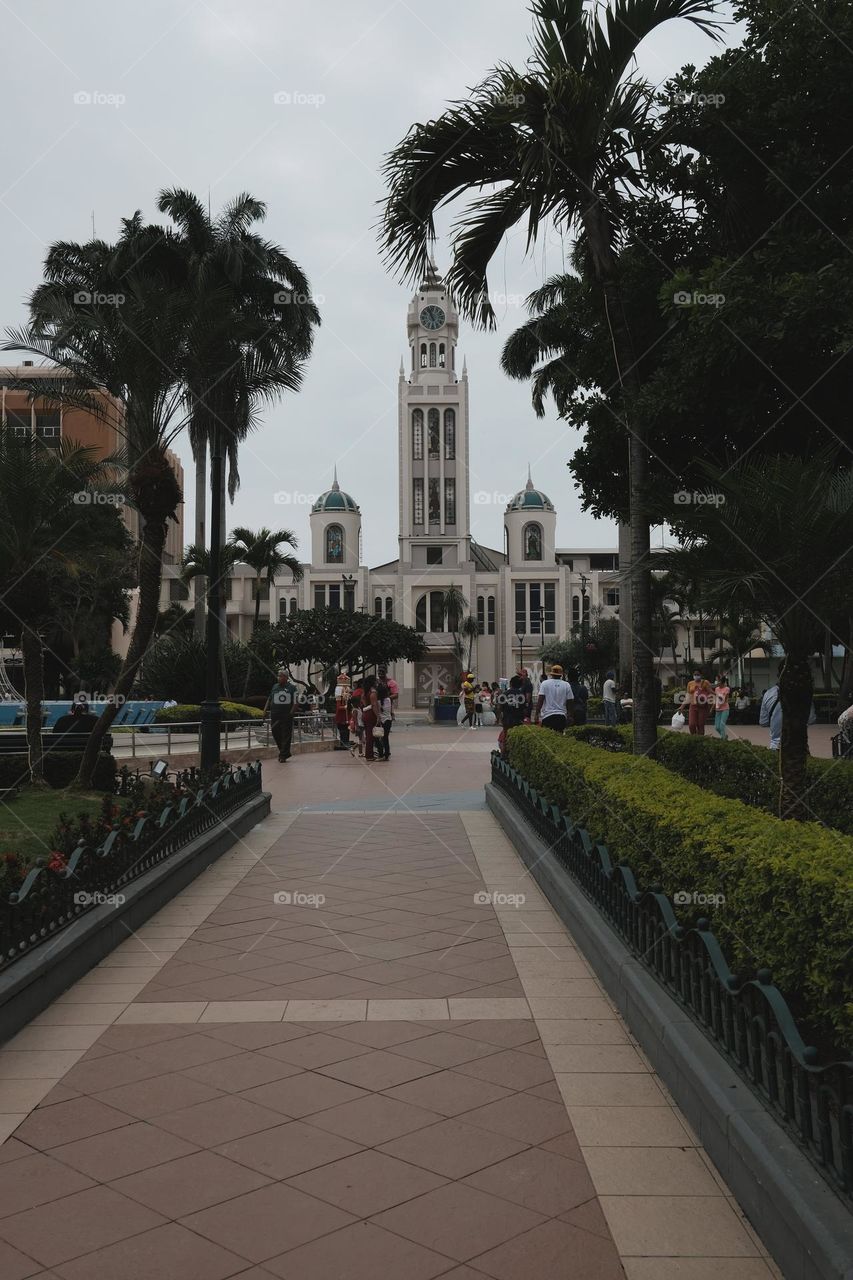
<point x="748" y="1019"/>
<point x="48" y="901"/>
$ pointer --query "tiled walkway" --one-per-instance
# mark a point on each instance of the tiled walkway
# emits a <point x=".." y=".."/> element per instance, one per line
<point x="361" y="1045"/>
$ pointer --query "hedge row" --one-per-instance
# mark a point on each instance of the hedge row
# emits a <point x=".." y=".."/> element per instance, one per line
<point x="788" y="887"/>
<point x="190" y="713"/>
<point x="743" y="771"/>
<point x="60" y="769"/>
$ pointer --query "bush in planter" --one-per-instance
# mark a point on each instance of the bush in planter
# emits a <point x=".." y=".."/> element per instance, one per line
<point x="788" y="886"/>
<point x="190" y="713"/>
<point x="60" y="770"/>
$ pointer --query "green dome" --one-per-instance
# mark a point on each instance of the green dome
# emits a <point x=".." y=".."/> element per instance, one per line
<point x="335" y="499"/>
<point x="530" y="499"/>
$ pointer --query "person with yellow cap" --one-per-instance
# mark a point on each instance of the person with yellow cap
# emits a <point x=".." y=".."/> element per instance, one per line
<point x="553" y="709"/>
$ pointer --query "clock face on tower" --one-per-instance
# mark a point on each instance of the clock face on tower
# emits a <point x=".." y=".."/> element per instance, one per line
<point x="432" y="317"/>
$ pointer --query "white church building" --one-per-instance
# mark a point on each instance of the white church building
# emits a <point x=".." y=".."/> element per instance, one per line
<point x="522" y="594"/>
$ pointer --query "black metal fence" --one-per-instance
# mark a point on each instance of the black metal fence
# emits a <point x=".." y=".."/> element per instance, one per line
<point x="747" y="1019"/>
<point x="48" y="901"/>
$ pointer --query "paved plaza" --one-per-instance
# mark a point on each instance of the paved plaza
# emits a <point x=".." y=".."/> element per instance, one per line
<point x="360" y="1045"/>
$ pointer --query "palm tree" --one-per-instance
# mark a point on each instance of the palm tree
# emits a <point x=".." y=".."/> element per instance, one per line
<point x="739" y="633"/>
<point x="121" y="360"/>
<point x="779" y="548"/>
<point x="470" y="630"/>
<point x="43" y="494"/>
<point x="558" y="143"/>
<point x="262" y="551"/>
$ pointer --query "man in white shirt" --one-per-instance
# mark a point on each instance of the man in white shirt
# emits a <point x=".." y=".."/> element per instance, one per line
<point x="608" y="699"/>
<point x="552" y="705"/>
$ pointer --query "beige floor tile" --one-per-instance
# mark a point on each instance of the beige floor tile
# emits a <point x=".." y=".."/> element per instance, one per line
<point x="649" y="1171"/>
<point x="553" y="1031"/>
<point x="18" y="1096"/>
<point x="524" y="941"/>
<point x="10" y="1122"/>
<point x="538" y="985"/>
<point x="407" y="1010"/>
<point x="697" y="1269"/>
<point x="123" y="973"/>
<point x="680" y="1227"/>
<point x="79" y="1015"/>
<point x="168" y="1011"/>
<point x="326" y="1011"/>
<point x="244" y="1011"/>
<point x="37" y="1064"/>
<point x="626" y="1126"/>
<point x="571" y="1007"/>
<point x="485" y="1009"/>
<point x="610" y="1089"/>
<point x="606" y="1058"/>
<point x="102" y="993"/>
<point x="54" y="1038"/>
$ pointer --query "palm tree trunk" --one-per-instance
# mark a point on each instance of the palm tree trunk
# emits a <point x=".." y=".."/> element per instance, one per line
<point x="151" y="546"/>
<point x="32" y="656"/>
<point x="795" y="695"/>
<point x="624" y="544"/>
<point x="200" y="583"/>
<point x="257" y="602"/>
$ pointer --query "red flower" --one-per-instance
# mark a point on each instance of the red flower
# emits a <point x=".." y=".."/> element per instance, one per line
<point x="57" y="862"/>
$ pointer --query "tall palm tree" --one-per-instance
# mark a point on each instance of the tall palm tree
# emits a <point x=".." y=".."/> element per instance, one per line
<point x="560" y="142"/>
<point x="128" y="341"/>
<point x="262" y="551"/>
<point x="42" y="536"/>
<point x="470" y="630"/>
<point x="781" y="549"/>
<point x="739" y="634"/>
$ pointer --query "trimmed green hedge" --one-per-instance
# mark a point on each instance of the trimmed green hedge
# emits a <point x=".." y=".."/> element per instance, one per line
<point x="190" y="713"/>
<point x="743" y="771"/>
<point x="60" y="770"/>
<point x="788" y="886"/>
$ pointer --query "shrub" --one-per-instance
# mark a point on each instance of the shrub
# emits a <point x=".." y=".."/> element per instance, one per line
<point x="190" y="713"/>
<point x="60" y="770"/>
<point x="594" y="706"/>
<point x="788" y="886"/>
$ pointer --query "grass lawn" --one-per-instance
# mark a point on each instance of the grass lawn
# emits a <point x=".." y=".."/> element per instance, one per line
<point x="27" y="824"/>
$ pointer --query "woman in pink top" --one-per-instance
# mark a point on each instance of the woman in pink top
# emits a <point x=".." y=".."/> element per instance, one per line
<point x="721" y="704"/>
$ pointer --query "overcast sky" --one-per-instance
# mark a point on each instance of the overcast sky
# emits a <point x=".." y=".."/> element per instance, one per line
<point x="183" y="93"/>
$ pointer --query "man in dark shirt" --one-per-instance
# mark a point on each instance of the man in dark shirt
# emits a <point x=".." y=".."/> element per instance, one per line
<point x="281" y="704"/>
<point x="580" y="695"/>
<point x="513" y="707"/>
<point x="527" y="689"/>
<point x="78" y="720"/>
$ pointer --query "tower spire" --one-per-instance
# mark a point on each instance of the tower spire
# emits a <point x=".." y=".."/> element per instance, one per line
<point x="335" y="486"/>
<point x="529" y="484"/>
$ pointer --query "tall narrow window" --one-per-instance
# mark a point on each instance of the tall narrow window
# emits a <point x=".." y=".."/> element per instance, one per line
<point x="549" y="592"/>
<point x="491" y="627"/>
<point x="433" y="432"/>
<point x="377" y="606"/>
<point x="436" y="611"/>
<point x="334" y="544"/>
<point x="417" y="434"/>
<point x="432" y="355"/>
<point x="434" y="502"/>
<point x="418" y="500"/>
<point x="349" y="597"/>
<point x="412" y="348"/>
<point x="334" y="596"/>
<point x="521" y="608"/>
<point x="535" y="608"/>
<point x="450" y="434"/>
<point x="442" y="357"/>
<point x="421" y="614"/>
<point x="292" y="608"/>
<point x="576" y="611"/>
<point x="531" y="539"/>
<point x="320" y="596"/>
<point x="450" y="500"/>
<point x="423" y="355"/>
<point x="481" y="615"/>
<point x="389" y="609"/>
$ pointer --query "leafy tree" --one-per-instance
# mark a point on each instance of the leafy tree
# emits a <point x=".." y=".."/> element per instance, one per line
<point x="594" y="654"/>
<point x="560" y="142"/>
<point x="175" y="620"/>
<point x="329" y="640"/>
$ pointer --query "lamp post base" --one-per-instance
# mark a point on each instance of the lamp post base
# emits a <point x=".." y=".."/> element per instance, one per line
<point x="211" y="720"/>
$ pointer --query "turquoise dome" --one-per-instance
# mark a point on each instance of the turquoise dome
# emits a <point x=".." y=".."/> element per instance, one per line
<point x="530" y="499"/>
<point x="335" y="499"/>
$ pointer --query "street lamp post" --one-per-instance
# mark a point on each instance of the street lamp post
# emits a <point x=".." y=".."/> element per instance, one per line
<point x="584" y="619"/>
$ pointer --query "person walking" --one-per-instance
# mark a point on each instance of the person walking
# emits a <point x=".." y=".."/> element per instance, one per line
<point x="281" y="705"/>
<point x="527" y="689"/>
<point x="770" y="716"/>
<point x="466" y="699"/>
<point x="609" y="695"/>
<point x="342" y="699"/>
<point x="553" y="708"/>
<point x="385" y="700"/>
<point x="698" y="699"/>
<point x="580" y="695"/>
<point x="722" y="694"/>
<point x="356" y="720"/>
<point x="370" y="715"/>
<point x="513" y="707"/>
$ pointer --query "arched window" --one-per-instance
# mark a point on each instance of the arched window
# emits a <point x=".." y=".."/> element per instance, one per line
<point x="436" y="611"/>
<point x="450" y="434"/>
<point x="433" y="433"/>
<point x="421" y="614"/>
<point x="377" y="606"/>
<point x="576" y="611"/>
<point x="442" y="359"/>
<point x="432" y="355"/>
<point x="423" y="355"/>
<point x="531" y="541"/>
<point x="417" y="434"/>
<point x="389" y="609"/>
<point x="491" y="627"/>
<point x="481" y="615"/>
<point x="334" y="544"/>
<point x="292" y="608"/>
<point x="412" y="349"/>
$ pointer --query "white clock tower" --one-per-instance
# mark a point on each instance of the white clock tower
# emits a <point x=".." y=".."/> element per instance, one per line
<point x="435" y="518"/>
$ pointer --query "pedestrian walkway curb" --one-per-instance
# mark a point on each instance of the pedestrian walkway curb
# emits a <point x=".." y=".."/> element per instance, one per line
<point x="806" y="1228"/>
